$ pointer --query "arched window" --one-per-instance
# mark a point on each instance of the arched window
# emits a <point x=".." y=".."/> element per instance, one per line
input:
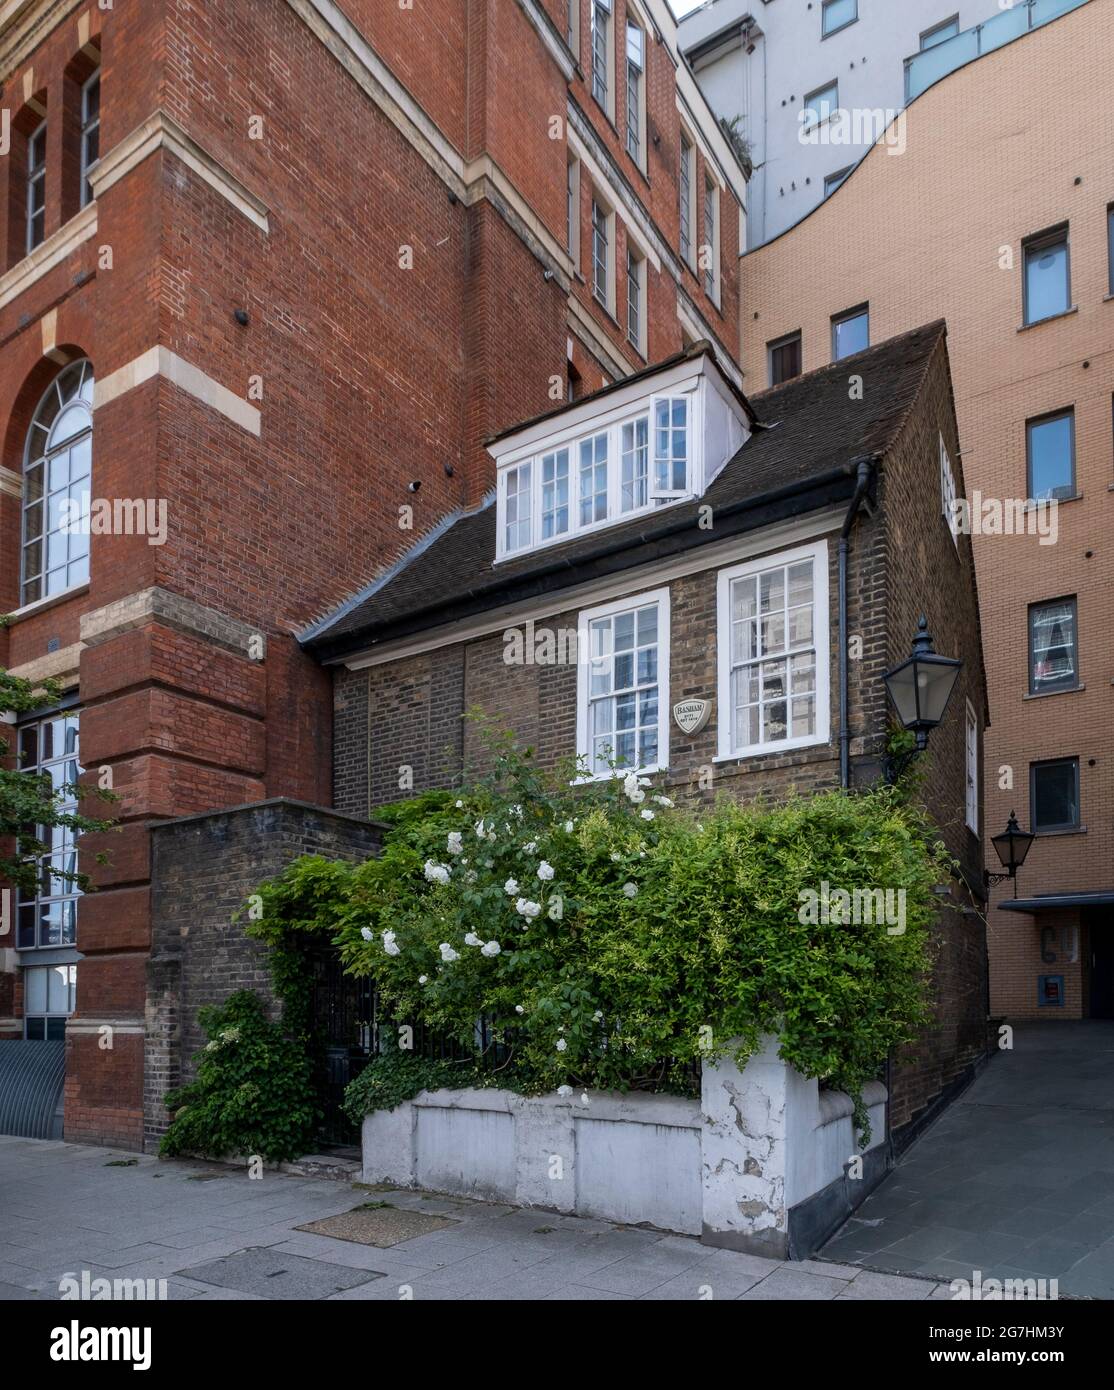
<point x="56" y="486"/>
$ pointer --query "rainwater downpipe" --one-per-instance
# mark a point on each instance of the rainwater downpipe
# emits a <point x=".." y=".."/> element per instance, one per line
<point x="864" y="477"/>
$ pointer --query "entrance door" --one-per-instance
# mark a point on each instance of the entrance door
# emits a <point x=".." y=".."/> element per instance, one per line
<point x="1101" y="935"/>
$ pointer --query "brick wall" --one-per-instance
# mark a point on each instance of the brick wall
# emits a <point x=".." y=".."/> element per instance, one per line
<point x="956" y="207"/>
<point x="370" y="371"/>
<point x="204" y="867"/>
<point x="902" y="563"/>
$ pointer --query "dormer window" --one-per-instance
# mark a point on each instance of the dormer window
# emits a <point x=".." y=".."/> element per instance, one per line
<point x="624" y="451"/>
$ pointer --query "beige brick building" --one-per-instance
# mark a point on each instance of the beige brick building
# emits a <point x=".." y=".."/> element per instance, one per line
<point x="998" y="216"/>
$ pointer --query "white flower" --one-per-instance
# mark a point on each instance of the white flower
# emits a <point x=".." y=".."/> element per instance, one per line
<point x="423" y="979"/>
<point x="615" y="856"/>
<point x="390" y="945"/>
<point x="545" y="871"/>
<point x="564" y="1090"/>
<point x="597" y="1017"/>
<point x="630" y="889"/>
<point x="516" y="811"/>
<point x="367" y="933"/>
<point x="556" y="908"/>
<point x="647" y="815"/>
<point x="569" y="826"/>
<point x="663" y="801"/>
<point x="511" y="886"/>
<point x="525" y="908"/>
<point x="531" y="847"/>
<point x="700" y="827"/>
<point x="561" y="1044"/>
<point x="489" y="863"/>
<point x="456" y="842"/>
<point x="436" y="873"/>
<point x="485" y="831"/>
<point x="491" y="949"/>
<point x="470" y="876"/>
<point x="447" y="953"/>
<point x="519" y="1009"/>
<point x="472" y="939"/>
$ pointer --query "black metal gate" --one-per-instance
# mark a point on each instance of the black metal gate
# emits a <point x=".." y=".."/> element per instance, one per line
<point x="345" y="1011"/>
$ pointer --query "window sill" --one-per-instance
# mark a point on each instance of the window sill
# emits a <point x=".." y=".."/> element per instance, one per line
<point x="40" y="605"/>
<point x="1047" y="694"/>
<point x="1063" y="314"/>
<point x="833" y="32"/>
<point x="1050" y="834"/>
<point x="772" y="750"/>
<point x="1034" y="504"/>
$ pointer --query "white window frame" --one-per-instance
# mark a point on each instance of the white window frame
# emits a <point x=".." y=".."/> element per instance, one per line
<point x="606" y="82"/>
<point x="638" y="338"/>
<point x="611" y="426"/>
<point x="88" y="126"/>
<point x="608" y="302"/>
<point x="583" y="623"/>
<point x="69" y="984"/>
<point x="634" y="21"/>
<point x="687" y="205"/>
<point x="949" y="493"/>
<point x="572" y="36"/>
<point x="36" y="187"/>
<point x="971" y="742"/>
<point x="711" y="239"/>
<point x="821" y="641"/>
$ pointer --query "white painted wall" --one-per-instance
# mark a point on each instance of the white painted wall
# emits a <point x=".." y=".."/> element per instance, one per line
<point x="730" y="1166"/>
<point x="791" y="59"/>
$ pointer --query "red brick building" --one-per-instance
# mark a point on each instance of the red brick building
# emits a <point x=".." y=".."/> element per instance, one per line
<point x="311" y="254"/>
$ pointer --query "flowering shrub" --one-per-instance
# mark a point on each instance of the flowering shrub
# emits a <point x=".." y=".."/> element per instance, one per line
<point x="611" y="939"/>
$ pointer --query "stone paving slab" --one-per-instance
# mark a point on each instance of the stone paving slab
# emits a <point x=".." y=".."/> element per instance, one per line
<point x="214" y="1233"/>
<point x="274" y="1275"/>
<point x="382" y="1225"/>
<point x="1014" y="1179"/>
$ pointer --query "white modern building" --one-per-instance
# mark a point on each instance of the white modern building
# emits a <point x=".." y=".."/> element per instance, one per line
<point x="813" y="82"/>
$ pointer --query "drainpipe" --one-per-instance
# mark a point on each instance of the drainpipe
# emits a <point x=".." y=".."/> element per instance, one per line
<point x="864" y="475"/>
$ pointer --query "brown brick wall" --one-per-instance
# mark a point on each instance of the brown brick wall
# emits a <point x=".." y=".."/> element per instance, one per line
<point x="937" y="232"/>
<point x="373" y="377"/>
<point x="204" y="869"/>
<point x="902" y="562"/>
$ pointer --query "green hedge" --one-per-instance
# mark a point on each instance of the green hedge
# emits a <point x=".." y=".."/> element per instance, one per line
<point x="613" y="939"/>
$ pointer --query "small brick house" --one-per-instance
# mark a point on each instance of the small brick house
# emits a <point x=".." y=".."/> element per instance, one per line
<point x="656" y="579"/>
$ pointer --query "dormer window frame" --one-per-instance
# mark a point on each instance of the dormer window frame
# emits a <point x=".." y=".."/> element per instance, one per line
<point x="621" y="456"/>
<point x="599" y="491"/>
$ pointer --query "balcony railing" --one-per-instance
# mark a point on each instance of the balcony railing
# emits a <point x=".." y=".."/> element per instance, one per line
<point x="923" y="69"/>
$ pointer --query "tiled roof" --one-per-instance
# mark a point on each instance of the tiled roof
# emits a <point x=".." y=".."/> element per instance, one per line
<point x="810" y="429"/>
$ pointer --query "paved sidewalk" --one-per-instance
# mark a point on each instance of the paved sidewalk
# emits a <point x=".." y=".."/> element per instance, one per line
<point x="213" y="1233"/>
<point x="1015" y="1179"/>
